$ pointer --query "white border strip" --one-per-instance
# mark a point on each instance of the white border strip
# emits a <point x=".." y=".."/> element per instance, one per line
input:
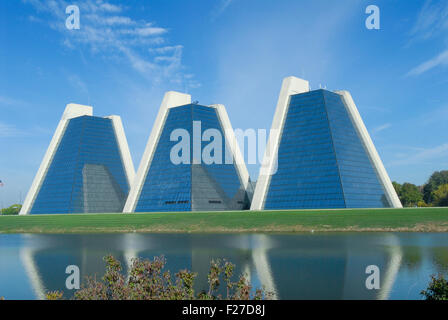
<point x="366" y="140"/>
<point x="290" y="86"/>
<point x="71" y="111"/>
<point x="170" y="100"/>
<point x="233" y="144"/>
<point x="124" y="148"/>
<point x="32" y="272"/>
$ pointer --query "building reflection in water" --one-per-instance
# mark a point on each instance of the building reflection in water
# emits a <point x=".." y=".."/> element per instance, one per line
<point x="291" y="266"/>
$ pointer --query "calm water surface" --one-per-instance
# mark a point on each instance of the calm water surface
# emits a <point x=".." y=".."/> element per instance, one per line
<point x="293" y="266"/>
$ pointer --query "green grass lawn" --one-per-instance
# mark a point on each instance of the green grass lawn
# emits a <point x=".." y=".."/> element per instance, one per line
<point x="412" y="219"/>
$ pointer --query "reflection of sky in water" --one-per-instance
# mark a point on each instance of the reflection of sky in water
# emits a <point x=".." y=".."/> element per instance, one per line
<point x="293" y="266"/>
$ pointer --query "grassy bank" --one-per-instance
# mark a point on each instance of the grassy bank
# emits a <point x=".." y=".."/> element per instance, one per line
<point x="415" y="219"/>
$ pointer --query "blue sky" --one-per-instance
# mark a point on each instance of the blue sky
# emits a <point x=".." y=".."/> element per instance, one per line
<point x="235" y="52"/>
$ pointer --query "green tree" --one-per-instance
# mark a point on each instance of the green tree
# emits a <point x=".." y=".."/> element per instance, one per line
<point x="440" y="196"/>
<point x="12" y="210"/>
<point x="397" y="188"/>
<point x="408" y="193"/>
<point x="437" y="179"/>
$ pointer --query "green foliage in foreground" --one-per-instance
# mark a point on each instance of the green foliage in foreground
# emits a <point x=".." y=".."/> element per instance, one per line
<point x="12" y="210"/>
<point x="148" y="281"/>
<point x="437" y="289"/>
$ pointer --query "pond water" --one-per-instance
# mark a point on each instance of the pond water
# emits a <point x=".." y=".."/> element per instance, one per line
<point x="292" y="266"/>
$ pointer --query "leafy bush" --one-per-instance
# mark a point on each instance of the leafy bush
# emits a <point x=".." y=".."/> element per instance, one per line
<point x="148" y="281"/>
<point x="437" y="289"/>
<point x="54" y="295"/>
<point x="423" y="204"/>
<point x="12" y="210"/>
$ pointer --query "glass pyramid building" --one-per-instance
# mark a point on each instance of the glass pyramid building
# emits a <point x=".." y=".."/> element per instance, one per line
<point x="322" y="155"/>
<point x="87" y="167"/>
<point x="193" y="183"/>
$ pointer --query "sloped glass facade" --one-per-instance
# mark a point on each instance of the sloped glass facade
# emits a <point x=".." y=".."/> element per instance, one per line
<point x="187" y="186"/>
<point x="362" y="188"/>
<point x="86" y="173"/>
<point x="167" y="186"/>
<point x="321" y="160"/>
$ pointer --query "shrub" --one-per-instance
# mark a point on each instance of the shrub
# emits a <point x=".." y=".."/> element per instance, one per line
<point x="423" y="204"/>
<point x="12" y="210"/>
<point x="148" y="281"/>
<point x="54" y="295"/>
<point x="437" y="289"/>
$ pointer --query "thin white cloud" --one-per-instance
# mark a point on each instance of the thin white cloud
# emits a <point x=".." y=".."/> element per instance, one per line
<point x="431" y="21"/>
<point x="9" y="131"/>
<point x="76" y="82"/>
<point x="109" y="7"/>
<point x="220" y="8"/>
<point x="113" y="20"/>
<point x="425" y="155"/>
<point x="166" y="49"/>
<point x="431" y="24"/>
<point x="107" y="30"/>
<point x="381" y="127"/>
<point x="172" y="55"/>
<point x="8" y="101"/>
<point x="440" y="60"/>
<point x="434" y="116"/>
<point x="149" y="31"/>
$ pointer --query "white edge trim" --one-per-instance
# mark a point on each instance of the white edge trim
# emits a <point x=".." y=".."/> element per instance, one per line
<point x="290" y="86"/>
<point x="360" y="127"/>
<point x="262" y="266"/>
<point x="233" y="144"/>
<point x="71" y="111"/>
<point x="32" y="272"/>
<point x="393" y="266"/>
<point x="170" y="100"/>
<point x="124" y="148"/>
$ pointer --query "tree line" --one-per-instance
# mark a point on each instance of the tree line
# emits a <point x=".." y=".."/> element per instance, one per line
<point x="433" y="193"/>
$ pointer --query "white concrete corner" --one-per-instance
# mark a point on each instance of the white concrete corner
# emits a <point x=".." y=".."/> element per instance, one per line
<point x="71" y="111"/>
<point x="367" y="142"/>
<point x="124" y="149"/>
<point x="290" y="86"/>
<point x="170" y="100"/>
<point x="232" y="144"/>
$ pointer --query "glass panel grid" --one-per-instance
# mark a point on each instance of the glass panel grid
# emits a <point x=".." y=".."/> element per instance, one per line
<point x="87" y="140"/>
<point x="185" y="187"/>
<point x="321" y="160"/>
